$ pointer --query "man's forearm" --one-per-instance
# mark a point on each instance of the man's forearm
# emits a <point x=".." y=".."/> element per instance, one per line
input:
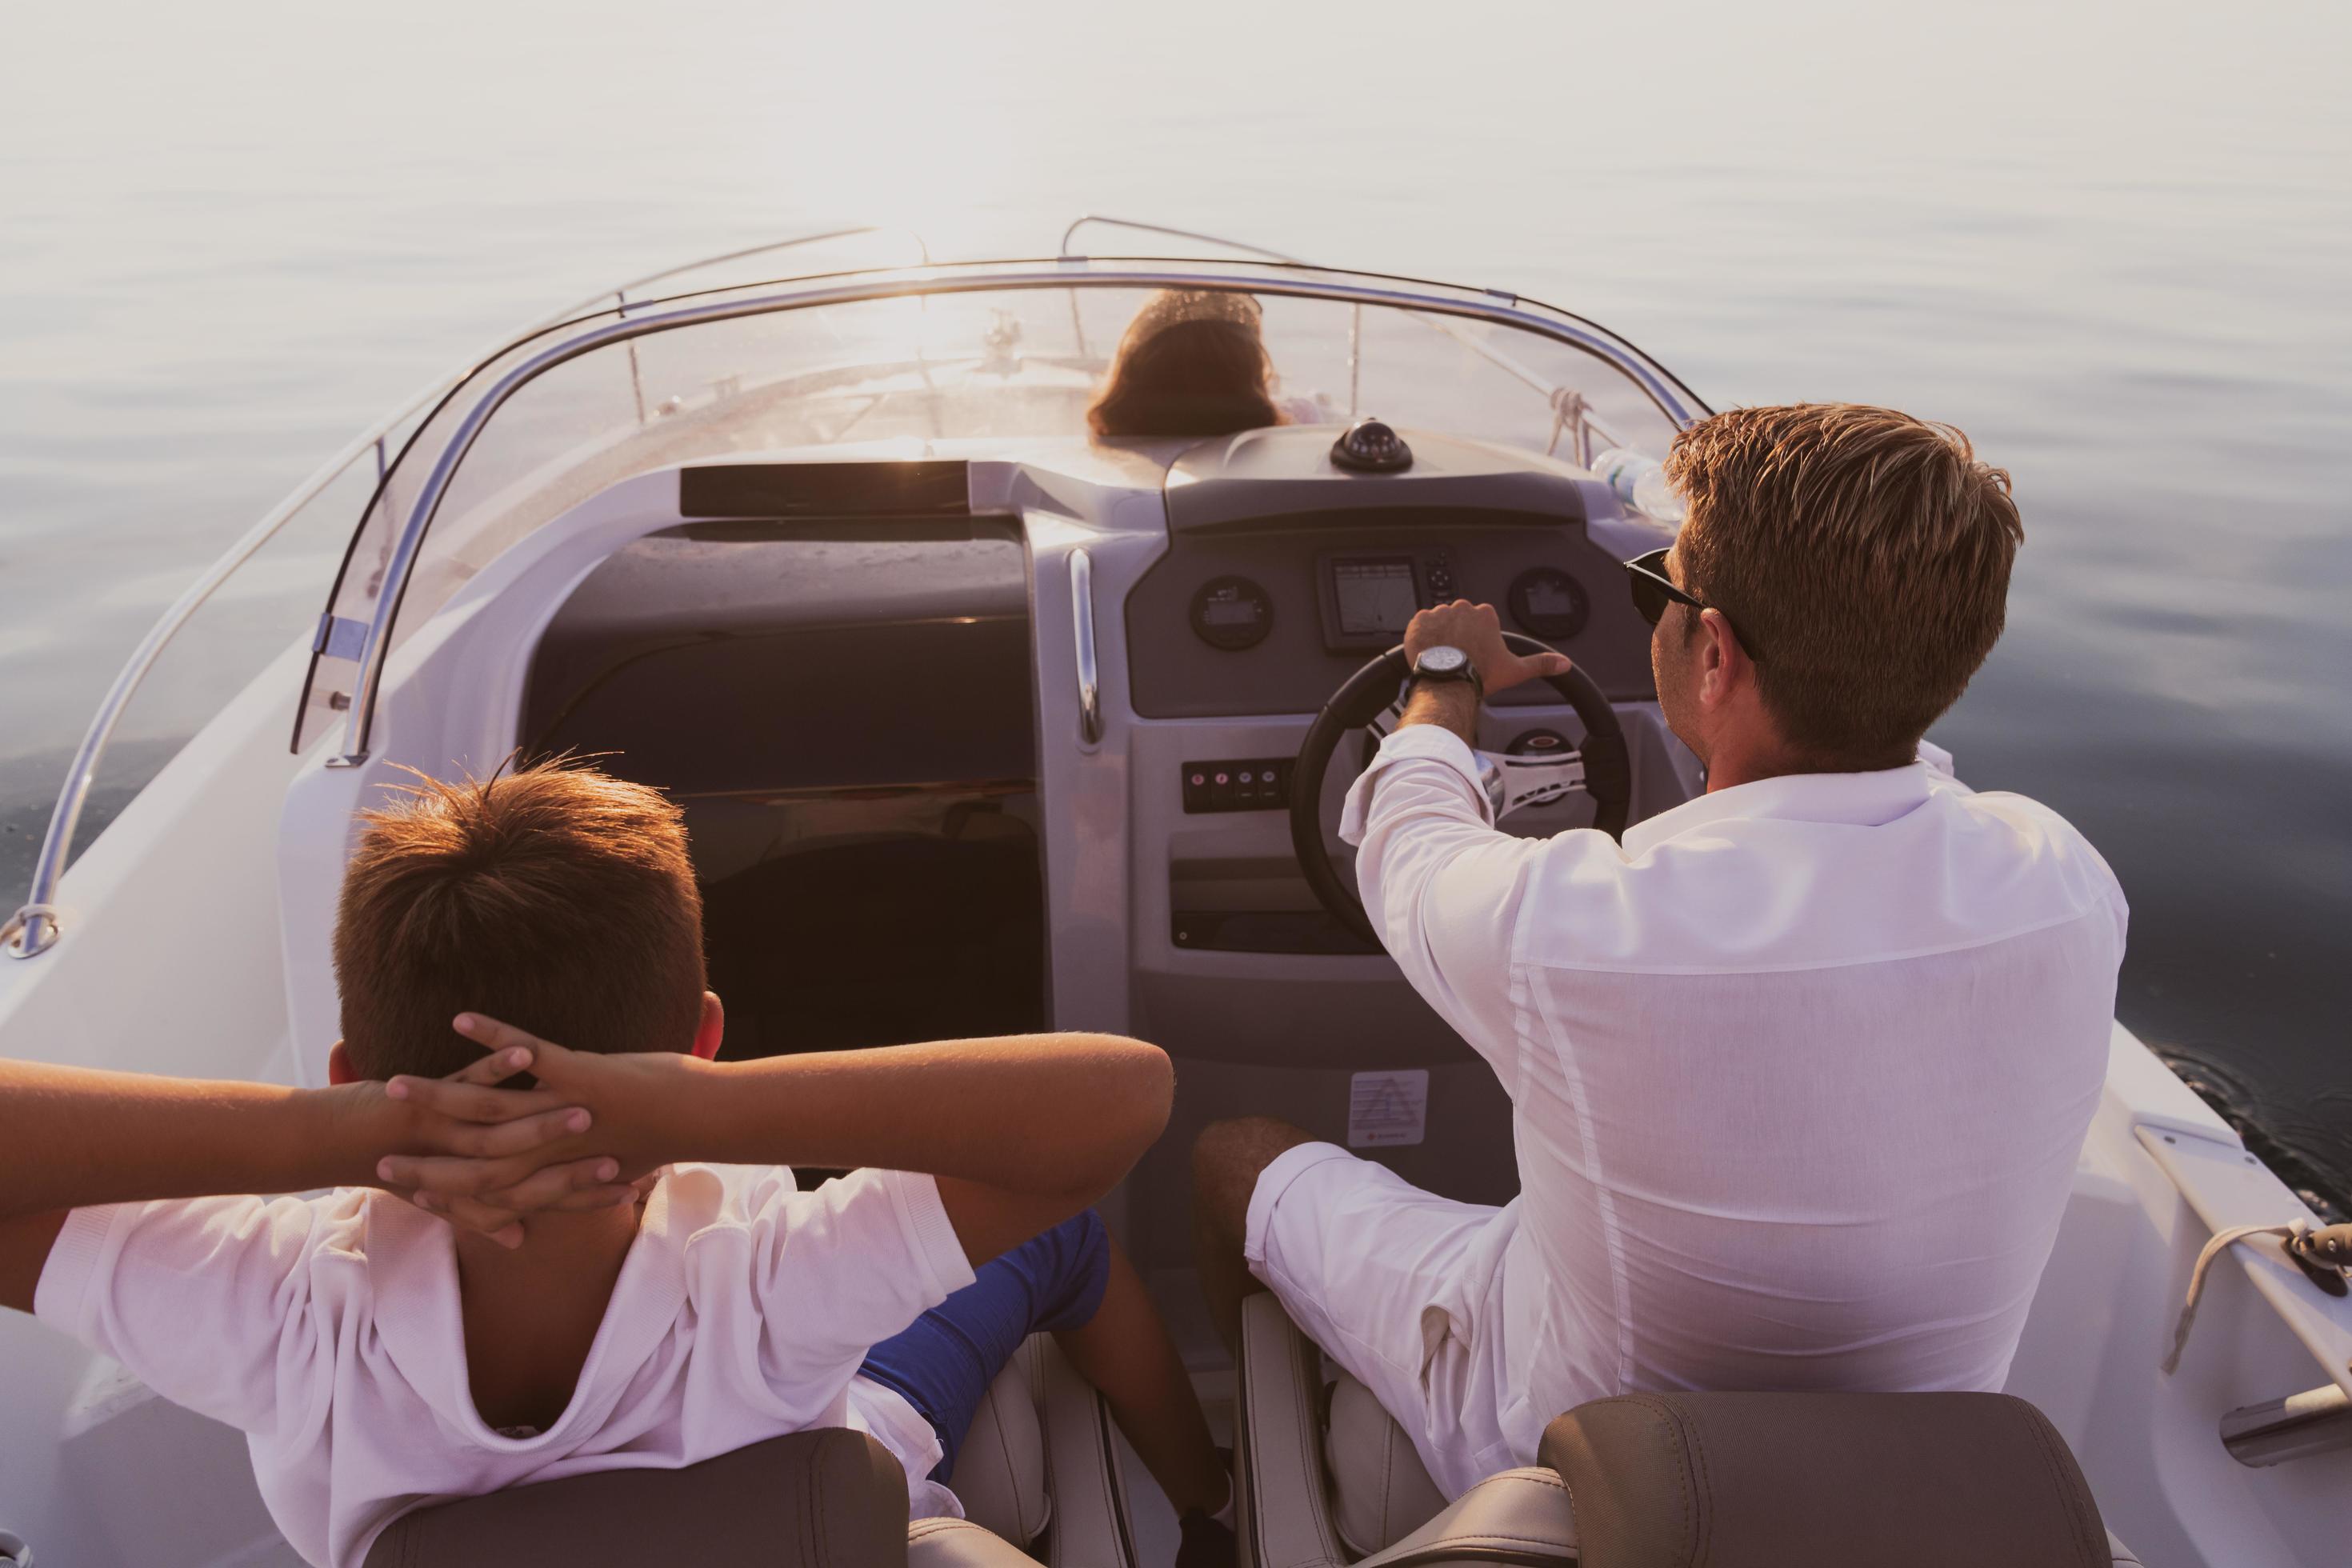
<point x="1040" y="1114"/>
<point x="1451" y="704"/>
<point x="71" y="1137"/>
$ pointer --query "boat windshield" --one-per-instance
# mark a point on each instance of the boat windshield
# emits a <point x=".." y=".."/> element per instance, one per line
<point x="952" y="360"/>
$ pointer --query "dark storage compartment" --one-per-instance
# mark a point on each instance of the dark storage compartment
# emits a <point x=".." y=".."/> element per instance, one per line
<point x="844" y="710"/>
<point x="926" y="921"/>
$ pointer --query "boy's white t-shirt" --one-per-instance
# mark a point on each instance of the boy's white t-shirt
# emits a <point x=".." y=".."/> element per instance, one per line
<point x="329" y="1330"/>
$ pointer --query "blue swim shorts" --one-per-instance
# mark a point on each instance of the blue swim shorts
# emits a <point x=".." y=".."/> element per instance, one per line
<point x="943" y="1362"/>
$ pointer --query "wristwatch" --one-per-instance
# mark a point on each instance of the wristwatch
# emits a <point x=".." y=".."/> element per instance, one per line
<point x="1444" y="663"/>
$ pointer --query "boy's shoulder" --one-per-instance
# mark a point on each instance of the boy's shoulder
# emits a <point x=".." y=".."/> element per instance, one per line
<point x="109" y="1258"/>
<point x="884" y="1222"/>
<point x="698" y="1196"/>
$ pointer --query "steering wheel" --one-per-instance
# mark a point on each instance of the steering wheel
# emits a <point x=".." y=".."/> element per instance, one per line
<point x="1599" y="768"/>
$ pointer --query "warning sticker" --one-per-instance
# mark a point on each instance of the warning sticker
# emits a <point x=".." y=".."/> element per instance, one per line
<point x="1385" y="1108"/>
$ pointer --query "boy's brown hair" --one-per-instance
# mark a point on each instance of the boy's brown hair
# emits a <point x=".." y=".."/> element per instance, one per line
<point x="557" y="900"/>
<point x="1862" y="558"/>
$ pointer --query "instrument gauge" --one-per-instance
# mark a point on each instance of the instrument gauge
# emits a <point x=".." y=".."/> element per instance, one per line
<point x="1232" y="613"/>
<point x="1549" y="604"/>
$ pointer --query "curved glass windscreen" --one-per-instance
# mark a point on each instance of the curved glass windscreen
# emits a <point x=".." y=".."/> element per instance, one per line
<point x="946" y="361"/>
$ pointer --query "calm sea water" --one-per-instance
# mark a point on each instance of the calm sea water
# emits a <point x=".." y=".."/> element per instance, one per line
<point x="2111" y="242"/>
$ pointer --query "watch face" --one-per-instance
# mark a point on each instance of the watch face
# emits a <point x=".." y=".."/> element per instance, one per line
<point x="1443" y="661"/>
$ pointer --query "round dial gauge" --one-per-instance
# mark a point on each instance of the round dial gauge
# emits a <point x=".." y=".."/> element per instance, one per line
<point x="1549" y="604"/>
<point x="1232" y="613"/>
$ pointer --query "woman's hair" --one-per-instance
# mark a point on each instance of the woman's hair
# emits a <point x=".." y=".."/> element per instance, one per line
<point x="1191" y="364"/>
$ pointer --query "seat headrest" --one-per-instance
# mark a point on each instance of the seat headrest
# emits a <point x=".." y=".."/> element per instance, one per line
<point x="1822" y="1480"/>
<point x="825" y="1499"/>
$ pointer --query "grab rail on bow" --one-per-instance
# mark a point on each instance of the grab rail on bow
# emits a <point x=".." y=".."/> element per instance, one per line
<point x="35" y="928"/>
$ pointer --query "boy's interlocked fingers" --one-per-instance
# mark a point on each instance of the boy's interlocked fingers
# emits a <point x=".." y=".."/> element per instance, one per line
<point x="483" y="1156"/>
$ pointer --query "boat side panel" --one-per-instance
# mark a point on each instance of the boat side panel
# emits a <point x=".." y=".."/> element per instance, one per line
<point x="168" y="963"/>
<point x="2101" y="1320"/>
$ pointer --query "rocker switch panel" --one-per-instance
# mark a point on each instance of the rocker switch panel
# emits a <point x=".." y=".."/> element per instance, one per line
<point x="1250" y="784"/>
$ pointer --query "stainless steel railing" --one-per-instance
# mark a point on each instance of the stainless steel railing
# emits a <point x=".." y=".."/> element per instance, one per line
<point x="33" y="930"/>
<point x="1061" y="273"/>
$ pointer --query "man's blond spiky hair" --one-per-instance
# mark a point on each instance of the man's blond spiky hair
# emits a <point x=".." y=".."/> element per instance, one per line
<point x="1862" y="554"/>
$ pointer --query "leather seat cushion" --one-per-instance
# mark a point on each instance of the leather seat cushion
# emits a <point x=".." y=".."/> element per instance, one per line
<point x="826" y="1499"/>
<point x="999" y="1470"/>
<point x="1381" y="1492"/>
<point x="1519" y="1517"/>
<point x="1823" y="1481"/>
<point x="959" y="1543"/>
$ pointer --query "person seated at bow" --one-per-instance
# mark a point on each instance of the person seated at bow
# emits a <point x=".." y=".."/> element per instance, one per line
<point x="1192" y="363"/>
<point x="600" y="1302"/>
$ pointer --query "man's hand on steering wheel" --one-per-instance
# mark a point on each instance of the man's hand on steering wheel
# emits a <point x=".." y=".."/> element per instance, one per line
<point x="1477" y="631"/>
<point x="1598" y="766"/>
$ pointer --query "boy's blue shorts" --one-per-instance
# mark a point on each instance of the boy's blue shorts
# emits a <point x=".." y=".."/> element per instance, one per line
<point x="945" y="1361"/>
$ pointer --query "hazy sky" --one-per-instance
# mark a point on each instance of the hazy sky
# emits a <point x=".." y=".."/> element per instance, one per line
<point x="467" y="163"/>
<point x="953" y="111"/>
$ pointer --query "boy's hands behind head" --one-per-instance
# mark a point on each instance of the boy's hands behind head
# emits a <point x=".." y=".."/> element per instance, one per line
<point x="483" y="1156"/>
<point x="503" y="1154"/>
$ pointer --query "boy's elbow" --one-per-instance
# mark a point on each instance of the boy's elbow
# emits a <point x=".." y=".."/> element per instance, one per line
<point x="1139" y="1084"/>
<point x="1148" y="1088"/>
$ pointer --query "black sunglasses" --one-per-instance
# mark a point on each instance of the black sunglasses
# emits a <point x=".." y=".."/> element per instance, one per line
<point x="1653" y="591"/>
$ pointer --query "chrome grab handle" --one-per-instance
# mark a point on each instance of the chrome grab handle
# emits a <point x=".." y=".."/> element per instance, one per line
<point x="1082" y="621"/>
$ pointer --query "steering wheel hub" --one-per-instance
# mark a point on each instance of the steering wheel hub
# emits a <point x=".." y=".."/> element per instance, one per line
<point x="1597" y="767"/>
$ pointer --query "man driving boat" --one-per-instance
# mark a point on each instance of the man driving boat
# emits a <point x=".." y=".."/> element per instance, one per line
<point x="1800" y="1071"/>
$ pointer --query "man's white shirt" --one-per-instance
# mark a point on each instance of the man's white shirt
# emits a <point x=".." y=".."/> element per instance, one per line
<point x="1800" y="1074"/>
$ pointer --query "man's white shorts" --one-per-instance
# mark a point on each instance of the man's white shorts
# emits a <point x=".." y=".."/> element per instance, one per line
<point x="1402" y="1287"/>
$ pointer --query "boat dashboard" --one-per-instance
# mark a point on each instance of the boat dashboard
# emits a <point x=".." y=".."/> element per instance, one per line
<point x="1283" y="574"/>
<point x="866" y="679"/>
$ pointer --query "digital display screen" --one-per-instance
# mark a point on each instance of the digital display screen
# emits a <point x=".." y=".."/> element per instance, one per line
<point x="1551" y="596"/>
<point x="1376" y="598"/>
<point x="1230" y="612"/>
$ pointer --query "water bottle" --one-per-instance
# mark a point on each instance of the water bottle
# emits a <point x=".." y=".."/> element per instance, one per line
<point x="1639" y="482"/>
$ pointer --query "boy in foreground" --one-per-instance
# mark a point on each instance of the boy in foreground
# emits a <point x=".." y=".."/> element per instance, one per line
<point x="593" y="1303"/>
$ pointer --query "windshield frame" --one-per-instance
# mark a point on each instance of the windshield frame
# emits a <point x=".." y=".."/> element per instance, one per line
<point x="628" y="321"/>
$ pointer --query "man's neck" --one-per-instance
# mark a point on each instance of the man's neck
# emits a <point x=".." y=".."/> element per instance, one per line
<point x="1728" y="769"/>
<point x="1731" y="765"/>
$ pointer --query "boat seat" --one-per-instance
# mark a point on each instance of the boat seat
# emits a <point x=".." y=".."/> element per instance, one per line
<point x="1039" y="1467"/>
<point x="1736" y="1481"/>
<point x="1038" y="1474"/>
<point x="825" y="1499"/>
